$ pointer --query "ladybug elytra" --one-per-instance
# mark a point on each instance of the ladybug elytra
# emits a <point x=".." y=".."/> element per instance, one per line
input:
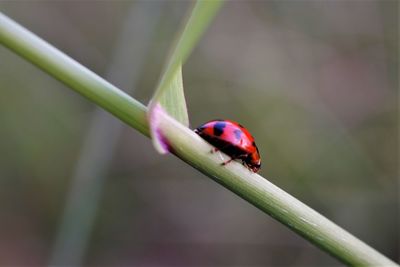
<point x="233" y="139"/>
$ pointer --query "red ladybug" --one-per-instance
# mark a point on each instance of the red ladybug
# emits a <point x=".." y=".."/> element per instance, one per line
<point x="233" y="139"/>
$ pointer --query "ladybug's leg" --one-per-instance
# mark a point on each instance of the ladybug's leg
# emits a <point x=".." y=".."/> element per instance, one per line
<point x="213" y="150"/>
<point x="226" y="162"/>
<point x="246" y="165"/>
<point x="240" y="156"/>
<point x="232" y="158"/>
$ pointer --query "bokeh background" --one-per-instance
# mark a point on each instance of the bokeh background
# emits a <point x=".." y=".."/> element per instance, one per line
<point x="316" y="82"/>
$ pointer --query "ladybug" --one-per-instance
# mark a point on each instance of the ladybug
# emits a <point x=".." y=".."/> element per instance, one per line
<point x="233" y="139"/>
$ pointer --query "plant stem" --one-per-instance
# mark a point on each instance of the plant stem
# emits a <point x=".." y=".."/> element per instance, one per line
<point x="192" y="149"/>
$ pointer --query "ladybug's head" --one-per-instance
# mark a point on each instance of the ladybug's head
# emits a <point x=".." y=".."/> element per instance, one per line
<point x="254" y="167"/>
<point x="253" y="162"/>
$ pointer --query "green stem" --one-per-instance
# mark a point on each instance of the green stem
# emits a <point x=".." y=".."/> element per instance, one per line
<point x="193" y="150"/>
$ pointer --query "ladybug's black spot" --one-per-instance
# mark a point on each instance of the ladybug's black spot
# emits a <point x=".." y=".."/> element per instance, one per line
<point x="238" y="134"/>
<point x="219" y="128"/>
<point x="254" y="144"/>
<point x="241" y="126"/>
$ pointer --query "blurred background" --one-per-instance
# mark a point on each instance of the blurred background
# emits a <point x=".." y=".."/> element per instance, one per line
<point x="316" y="83"/>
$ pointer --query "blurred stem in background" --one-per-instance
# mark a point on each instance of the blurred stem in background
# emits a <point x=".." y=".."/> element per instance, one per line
<point x="103" y="133"/>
